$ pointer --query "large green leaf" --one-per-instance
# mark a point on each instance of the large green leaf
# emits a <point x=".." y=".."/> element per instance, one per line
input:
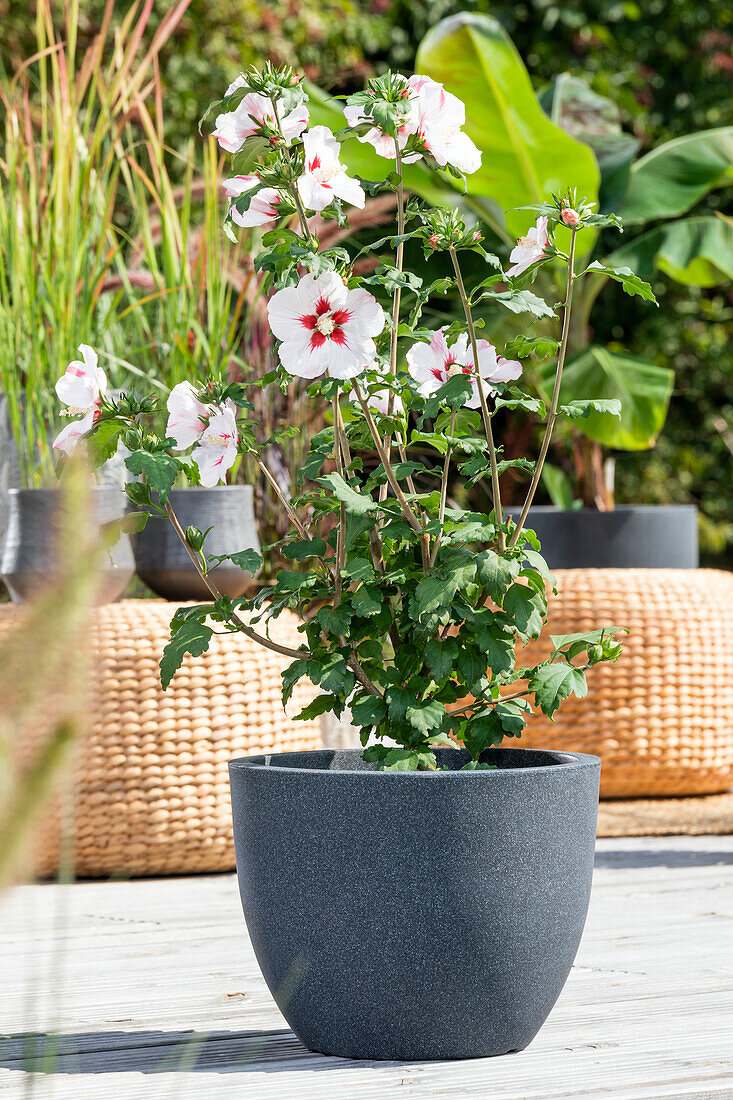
<point x="672" y="178"/>
<point x="693" y="251"/>
<point x="643" y="388"/>
<point x="525" y="157"/>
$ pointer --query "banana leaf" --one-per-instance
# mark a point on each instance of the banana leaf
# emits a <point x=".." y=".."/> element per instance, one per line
<point x="643" y="388"/>
<point x="669" y="181"/>
<point x="692" y="251"/>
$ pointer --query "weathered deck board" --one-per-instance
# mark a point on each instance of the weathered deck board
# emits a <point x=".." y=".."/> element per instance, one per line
<point x="153" y="990"/>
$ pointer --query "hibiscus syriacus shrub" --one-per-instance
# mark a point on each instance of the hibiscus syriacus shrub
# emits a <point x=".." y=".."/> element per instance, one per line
<point x="411" y="608"/>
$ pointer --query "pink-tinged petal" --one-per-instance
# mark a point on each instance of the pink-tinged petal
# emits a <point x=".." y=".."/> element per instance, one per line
<point x="239" y="185"/>
<point x="283" y="311"/>
<point x="507" y="370"/>
<point x="240" y="82"/>
<point x="295" y="123"/>
<point x="366" y="315"/>
<point x="302" y="361"/>
<point x="320" y="144"/>
<point x="426" y="367"/>
<point x="314" y="194"/>
<point x="463" y="154"/>
<point x="263" y="208"/>
<point x="439" y="347"/>
<point x="68" y="438"/>
<point x="186" y="422"/>
<point x="350" y="190"/>
<point x="83" y="382"/>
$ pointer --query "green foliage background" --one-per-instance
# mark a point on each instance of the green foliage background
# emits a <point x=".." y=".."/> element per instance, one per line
<point x="667" y="63"/>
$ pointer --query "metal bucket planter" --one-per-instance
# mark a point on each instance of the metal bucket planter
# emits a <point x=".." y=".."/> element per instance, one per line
<point x="636" y="537"/>
<point x="29" y="557"/>
<point x="422" y="915"/>
<point x="162" y="561"/>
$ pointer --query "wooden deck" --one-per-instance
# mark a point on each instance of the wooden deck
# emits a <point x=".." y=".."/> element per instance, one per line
<point x="115" y="991"/>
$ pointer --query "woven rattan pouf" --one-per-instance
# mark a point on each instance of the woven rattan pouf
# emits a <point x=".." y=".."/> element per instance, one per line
<point x="149" y="779"/>
<point x="661" y="718"/>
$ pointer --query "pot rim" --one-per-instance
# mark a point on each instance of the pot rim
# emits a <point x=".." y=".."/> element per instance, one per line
<point x="213" y="489"/>
<point x="620" y="509"/>
<point x="569" y="761"/>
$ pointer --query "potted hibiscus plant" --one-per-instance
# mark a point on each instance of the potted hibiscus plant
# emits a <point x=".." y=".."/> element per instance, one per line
<point x="423" y="898"/>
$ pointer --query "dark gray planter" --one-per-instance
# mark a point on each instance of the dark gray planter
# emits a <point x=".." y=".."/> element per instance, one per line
<point x="29" y="555"/>
<point x="162" y="561"/>
<point x="654" y="536"/>
<point x="423" y="915"/>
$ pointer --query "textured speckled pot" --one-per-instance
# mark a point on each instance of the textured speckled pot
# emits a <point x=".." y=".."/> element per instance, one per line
<point x="653" y="536"/>
<point x="29" y="554"/>
<point x="423" y="915"/>
<point x="162" y="561"/>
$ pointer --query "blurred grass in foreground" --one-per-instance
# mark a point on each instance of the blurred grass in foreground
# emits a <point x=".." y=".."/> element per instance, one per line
<point x="43" y="667"/>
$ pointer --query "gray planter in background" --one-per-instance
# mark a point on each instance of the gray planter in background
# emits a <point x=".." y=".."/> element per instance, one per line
<point x="163" y="562"/>
<point x="28" y="562"/>
<point x="652" y="536"/>
<point x="422" y="915"/>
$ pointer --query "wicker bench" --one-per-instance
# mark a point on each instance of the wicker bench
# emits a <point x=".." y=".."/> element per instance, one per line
<point x="149" y="791"/>
<point x="661" y="718"/>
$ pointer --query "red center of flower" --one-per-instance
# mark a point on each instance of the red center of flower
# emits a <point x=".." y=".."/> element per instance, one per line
<point x="325" y="324"/>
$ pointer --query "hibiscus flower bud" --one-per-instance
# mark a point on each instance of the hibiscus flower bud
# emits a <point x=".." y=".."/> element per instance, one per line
<point x="132" y="439"/>
<point x="477" y="236"/>
<point x="570" y="217"/>
<point x="433" y="240"/>
<point x="194" y="538"/>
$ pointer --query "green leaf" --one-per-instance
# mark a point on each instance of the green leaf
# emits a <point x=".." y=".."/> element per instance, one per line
<point x="523" y="346"/>
<point x="692" y="251"/>
<point x="440" y="657"/>
<point x="522" y="301"/>
<point x="292" y="674"/>
<point x="401" y="760"/>
<point x="433" y="592"/>
<point x="588" y="637"/>
<point x="525" y="158"/>
<point x="581" y="410"/>
<point x="357" y="504"/>
<point x="477" y="766"/>
<point x="359" y="569"/>
<point x="472" y="665"/>
<point x="335" y="620"/>
<point x="550" y="684"/>
<point x="672" y="178"/>
<point x="425" y="716"/>
<point x="103" y="439"/>
<point x="322" y="704"/>
<point x="538" y="562"/>
<point x="498" y="648"/>
<point x="367" y="600"/>
<point x="302" y="549"/>
<point x="398" y="700"/>
<point x="630" y="282"/>
<point x="159" y="468"/>
<point x="496" y="573"/>
<point x="527" y="609"/>
<point x="191" y="637"/>
<point x="247" y="560"/>
<point x="643" y="388"/>
<point x="368" y="710"/>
